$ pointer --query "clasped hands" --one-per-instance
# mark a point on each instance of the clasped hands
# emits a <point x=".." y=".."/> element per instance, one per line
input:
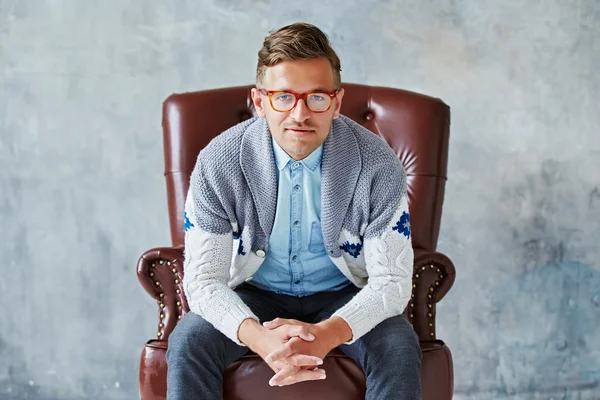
<point x="294" y="349"/>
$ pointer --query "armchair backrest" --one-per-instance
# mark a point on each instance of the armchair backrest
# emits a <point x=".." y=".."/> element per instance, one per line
<point x="414" y="125"/>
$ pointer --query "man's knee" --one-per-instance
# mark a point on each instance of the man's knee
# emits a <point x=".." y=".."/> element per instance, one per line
<point x="393" y="339"/>
<point x="192" y="334"/>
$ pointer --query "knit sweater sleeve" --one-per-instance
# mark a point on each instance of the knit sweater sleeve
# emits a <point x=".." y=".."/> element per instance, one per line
<point x="388" y="255"/>
<point x="207" y="261"/>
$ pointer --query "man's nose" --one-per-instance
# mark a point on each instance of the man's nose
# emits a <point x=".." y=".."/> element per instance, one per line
<point x="301" y="112"/>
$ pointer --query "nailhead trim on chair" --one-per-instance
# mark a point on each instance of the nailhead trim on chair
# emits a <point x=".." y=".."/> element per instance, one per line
<point x="179" y="312"/>
<point x="177" y="280"/>
<point x="430" y="300"/>
<point x="161" y="305"/>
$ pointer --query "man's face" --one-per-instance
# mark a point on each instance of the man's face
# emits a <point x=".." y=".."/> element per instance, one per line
<point x="299" y="131"/>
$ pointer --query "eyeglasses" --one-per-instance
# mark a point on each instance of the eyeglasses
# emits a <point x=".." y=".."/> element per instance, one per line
<point x="285" y="101"/>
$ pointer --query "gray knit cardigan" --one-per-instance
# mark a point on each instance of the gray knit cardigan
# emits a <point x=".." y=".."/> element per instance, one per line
<point x="230" y="209"/>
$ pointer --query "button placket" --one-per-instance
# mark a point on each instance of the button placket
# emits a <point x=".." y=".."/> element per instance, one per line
<point x="296" y="231"/>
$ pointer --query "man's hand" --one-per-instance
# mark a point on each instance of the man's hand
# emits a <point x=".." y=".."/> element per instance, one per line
<point x="328" y="335"/>
<point x="264" y="341"/>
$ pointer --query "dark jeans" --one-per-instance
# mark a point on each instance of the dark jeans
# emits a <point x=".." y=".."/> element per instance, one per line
<point x="198" y="353"/>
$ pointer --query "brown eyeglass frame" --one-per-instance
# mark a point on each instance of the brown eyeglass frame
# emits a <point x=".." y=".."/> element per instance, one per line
<point x="298" y="96"/>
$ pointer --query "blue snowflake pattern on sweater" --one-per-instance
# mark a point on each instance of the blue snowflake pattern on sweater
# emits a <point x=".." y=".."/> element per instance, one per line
<point x="236" y="236"/>
<point x="403" y="225"/>
<point x="352" y="248"/>
<point x="187" y="225"/>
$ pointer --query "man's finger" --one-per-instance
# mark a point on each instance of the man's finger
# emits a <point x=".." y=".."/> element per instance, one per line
<point x="281" y="353"/>
<point x="277" y="322"/>
<point x="285" y="372"/>
<point x="294" y="329"/>
<point x="303" y="375"/>
<point x="301" y="360"/>
<point x="300" y="331"/>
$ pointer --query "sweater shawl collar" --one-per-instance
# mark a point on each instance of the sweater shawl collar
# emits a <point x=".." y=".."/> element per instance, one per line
<point x="340" y="169"/>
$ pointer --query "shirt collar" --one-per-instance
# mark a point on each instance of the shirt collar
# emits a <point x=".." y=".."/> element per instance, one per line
<point x="281" y="157"/>
<point x="311" y="162"/>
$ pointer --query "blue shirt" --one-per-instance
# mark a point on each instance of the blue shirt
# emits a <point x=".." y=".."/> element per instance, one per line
<point x="297" y="263"/>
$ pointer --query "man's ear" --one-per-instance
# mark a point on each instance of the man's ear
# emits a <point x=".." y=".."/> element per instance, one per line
<point x="257" y="100"/>
<point x="338" y="103"/>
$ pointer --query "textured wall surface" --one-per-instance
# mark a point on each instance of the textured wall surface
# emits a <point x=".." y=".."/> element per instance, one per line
<point x="82" y="193"/>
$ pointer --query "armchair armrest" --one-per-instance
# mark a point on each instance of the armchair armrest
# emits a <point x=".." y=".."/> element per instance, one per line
<point x="433" y="276"/>
<point x="160" y="272"/>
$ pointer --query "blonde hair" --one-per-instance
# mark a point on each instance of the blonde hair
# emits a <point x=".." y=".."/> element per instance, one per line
<point x="299" y="41"/>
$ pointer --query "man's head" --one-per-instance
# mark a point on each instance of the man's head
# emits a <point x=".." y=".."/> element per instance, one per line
<point x="298" y="60"/>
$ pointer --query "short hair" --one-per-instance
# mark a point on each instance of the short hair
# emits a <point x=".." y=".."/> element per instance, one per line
<point x="299" y="41"/>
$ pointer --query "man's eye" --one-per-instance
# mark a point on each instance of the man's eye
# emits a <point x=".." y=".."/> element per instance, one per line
<point x="284" y="97"/>
<point x="317" y="97"/>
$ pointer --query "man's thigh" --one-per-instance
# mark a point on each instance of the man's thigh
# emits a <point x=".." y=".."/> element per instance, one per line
<point x="322" y="306"/>
<point x="390" y="356"/>
<point x="391" y="335"/>
<point x="268" y="305"/>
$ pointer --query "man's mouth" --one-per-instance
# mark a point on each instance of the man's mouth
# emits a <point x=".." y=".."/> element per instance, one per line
<point x="299" y="130"/>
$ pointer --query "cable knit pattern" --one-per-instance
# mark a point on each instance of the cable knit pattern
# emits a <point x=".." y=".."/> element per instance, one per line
<point x="230" y="209"/>
<point x="388" y="261"/>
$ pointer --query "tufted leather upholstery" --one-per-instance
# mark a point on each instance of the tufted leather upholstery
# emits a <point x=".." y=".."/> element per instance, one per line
<point x="416" y="127"/>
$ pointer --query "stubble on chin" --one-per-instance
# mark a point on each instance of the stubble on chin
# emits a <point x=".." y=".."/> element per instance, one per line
<point x="298" y="148"/>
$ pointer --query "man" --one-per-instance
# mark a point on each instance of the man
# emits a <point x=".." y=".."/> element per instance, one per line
<point x="297" y="238"/>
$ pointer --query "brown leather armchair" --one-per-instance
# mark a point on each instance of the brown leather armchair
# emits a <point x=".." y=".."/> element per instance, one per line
<point x="417" y="128"/>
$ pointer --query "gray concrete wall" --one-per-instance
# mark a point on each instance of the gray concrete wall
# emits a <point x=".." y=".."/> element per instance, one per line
<point x="82" y="193"/>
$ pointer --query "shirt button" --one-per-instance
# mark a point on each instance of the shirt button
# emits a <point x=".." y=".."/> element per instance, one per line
<point x="294" y="258"/>
<point x="248" y="279"/>
<point x="295" y="165"/>
<point x="260" y="253"/>
<point x="297" y="187"/>
<point x="296" y="282"/>
<point x="296" y="223"/>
